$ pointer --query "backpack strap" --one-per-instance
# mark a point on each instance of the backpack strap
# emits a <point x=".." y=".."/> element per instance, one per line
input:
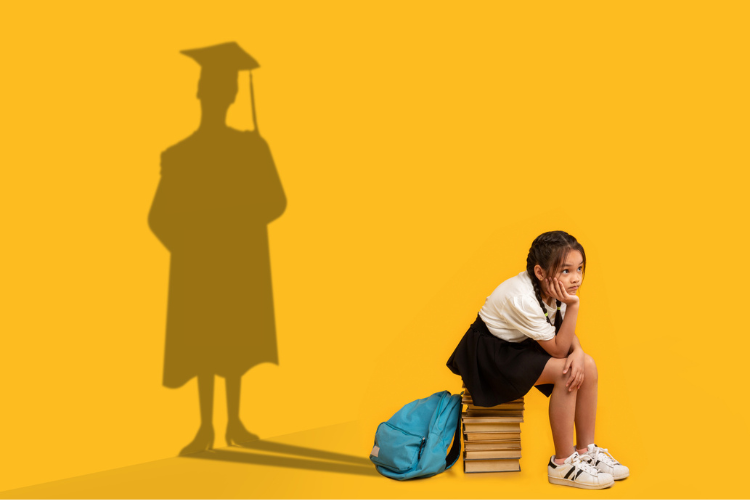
<point x="456" y="448"/>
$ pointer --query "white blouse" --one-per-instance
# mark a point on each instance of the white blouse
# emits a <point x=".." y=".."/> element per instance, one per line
<point x="512" y="311"/>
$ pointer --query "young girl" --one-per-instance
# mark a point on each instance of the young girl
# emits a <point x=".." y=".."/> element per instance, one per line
<point x="514" y="345"/>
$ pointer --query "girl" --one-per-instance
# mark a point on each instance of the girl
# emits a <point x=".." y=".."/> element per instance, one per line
<point x="513" y="345"/>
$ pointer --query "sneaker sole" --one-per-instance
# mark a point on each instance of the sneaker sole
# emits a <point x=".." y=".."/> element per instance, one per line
<point x="568" y="482"/>
<point x="617" y="478"/>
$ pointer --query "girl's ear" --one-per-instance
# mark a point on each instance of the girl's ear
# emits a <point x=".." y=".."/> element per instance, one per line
<point x="539" y="272"/>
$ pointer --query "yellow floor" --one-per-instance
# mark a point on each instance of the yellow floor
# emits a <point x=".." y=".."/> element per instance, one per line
<point x="328" y="462"/>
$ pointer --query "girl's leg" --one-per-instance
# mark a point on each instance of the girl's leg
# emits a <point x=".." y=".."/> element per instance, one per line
<point x="585" y="417"/>
<point x="562" y="407"/>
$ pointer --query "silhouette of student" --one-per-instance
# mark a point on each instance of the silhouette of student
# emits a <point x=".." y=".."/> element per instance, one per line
<point x="218" y="191"/>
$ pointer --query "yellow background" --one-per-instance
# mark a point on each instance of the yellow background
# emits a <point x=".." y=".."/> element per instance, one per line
<point x="422" y="147"/>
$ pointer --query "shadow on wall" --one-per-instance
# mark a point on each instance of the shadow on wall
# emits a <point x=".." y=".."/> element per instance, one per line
<point x="218" y="191"/>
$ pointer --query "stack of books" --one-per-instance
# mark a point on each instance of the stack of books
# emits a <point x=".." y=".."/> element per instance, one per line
<point x="492" y="436"/>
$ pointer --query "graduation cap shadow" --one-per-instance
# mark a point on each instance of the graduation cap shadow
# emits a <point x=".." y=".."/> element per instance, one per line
<point x="301" y="458"/>
<point x="219" y="190"/>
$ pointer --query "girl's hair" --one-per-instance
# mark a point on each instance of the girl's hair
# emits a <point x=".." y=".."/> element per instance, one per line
<point x="549" y="251"/>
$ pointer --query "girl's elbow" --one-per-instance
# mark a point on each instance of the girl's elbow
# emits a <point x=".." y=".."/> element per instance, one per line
<point x="561" y="352"/>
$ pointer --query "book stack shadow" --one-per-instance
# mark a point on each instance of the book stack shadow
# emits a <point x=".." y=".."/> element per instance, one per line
<point x="492" y="436"/>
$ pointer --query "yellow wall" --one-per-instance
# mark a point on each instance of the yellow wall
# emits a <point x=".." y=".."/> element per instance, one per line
<point x="421" y="147"/>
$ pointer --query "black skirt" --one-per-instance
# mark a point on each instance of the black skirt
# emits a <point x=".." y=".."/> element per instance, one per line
<point x="496" y="371"/>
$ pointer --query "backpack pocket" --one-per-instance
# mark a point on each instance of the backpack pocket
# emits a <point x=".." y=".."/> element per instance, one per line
<point x="396" y="449"/>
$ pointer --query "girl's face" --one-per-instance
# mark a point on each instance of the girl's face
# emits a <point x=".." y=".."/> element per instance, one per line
<point x="571" y="273"/>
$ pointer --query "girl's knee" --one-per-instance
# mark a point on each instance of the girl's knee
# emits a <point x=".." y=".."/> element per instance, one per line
<point x="560" y="377"/>
<point x="589" y="369"/>
<point x="552" y="373"/>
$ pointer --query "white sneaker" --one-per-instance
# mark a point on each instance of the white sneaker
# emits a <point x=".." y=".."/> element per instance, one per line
<point x="605" y="462"/>
<point x="577" y="473"/>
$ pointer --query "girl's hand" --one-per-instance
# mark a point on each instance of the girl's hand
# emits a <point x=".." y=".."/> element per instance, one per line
<point x="555" y="288"/>
<point x="574" y="365"/>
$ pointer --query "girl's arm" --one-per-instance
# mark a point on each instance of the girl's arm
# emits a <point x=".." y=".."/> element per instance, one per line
<point x="560" y="345"/>
<point x="575" y="344"/>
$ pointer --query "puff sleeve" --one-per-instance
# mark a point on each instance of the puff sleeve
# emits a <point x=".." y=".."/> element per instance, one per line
<point x="524" y="314"/>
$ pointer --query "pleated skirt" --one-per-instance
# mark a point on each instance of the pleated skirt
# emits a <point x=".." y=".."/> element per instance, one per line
<point x="496" y="371"/>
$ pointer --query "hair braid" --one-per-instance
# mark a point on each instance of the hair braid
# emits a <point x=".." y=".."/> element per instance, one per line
<point x="558" y="317"/>
<point x="538" y="293"/>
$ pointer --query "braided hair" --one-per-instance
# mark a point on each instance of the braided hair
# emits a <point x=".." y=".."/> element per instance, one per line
<point x="549" y="251"/>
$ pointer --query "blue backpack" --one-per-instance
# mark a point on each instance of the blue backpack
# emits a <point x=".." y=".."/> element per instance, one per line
<point x="413" y="442"/>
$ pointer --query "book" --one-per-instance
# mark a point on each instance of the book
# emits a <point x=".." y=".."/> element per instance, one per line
<point x="479" y="418"/>
<point x="466" y="395"/>
<point x="510" y="405"/>
<point x="481" y="410"/>
<point x="504" y="406"/>
<point x="492" y="436"/>
<point x="491" y="454"/>
<point x="515" y="401"/>
<point x="514" y="408"/>
<point x="492" y="445"/>
<point x="492" y="427"/>
<point x="507" y="465"/>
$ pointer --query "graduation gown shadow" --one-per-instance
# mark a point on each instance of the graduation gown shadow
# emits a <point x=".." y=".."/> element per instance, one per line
<point x="218" y="191"/>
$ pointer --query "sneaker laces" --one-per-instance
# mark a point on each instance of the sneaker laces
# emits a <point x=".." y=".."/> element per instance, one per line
<point x="603" y="455"/>
<point x="582" y="464"/>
